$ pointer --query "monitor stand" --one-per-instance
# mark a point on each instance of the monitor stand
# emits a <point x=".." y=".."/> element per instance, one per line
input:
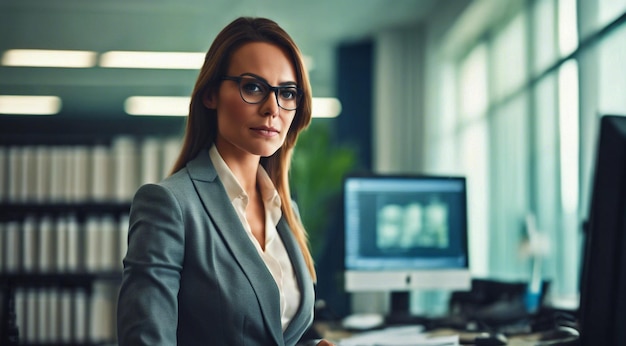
<point x="400" y="312"/>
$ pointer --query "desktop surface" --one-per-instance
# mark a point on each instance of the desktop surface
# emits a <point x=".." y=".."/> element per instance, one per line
<point x="416" y="335"/>
<point x="490" y="310"/>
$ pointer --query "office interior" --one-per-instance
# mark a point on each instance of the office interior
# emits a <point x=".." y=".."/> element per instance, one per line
<point x="507" y="94"/>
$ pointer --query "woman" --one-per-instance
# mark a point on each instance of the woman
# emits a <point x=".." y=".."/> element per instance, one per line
<point x="216" y="253"/>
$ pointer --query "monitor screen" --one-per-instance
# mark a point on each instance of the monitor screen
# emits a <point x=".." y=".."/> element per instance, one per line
<point x="603" y="279"/>
<point x="405" y="232"/>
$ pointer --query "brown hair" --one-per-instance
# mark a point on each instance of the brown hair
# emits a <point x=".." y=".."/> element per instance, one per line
<point x="201" y="128"/>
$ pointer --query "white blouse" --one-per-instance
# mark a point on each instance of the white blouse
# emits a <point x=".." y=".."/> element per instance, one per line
<point x="275" y="255"/>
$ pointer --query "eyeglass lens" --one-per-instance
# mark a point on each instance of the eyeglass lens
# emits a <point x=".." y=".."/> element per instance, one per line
<point x="254" y="90"/>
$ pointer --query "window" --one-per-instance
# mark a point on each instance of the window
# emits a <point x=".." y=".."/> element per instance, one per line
<point x="609" y="10"/>
<point x="508" y="54"/>
<point x="543" y="36"/>
<point x="612" y="74"/>
<point x="568" y="30"/>
<point x="530" y="91"/>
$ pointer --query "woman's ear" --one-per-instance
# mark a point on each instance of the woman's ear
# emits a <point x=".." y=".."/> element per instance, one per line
<point x="209" y="100"/>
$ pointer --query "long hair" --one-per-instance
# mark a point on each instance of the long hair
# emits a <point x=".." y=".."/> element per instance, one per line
<point x="201" y="128"/>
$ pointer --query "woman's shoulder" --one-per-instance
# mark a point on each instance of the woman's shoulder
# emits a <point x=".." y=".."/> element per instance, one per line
<point x="179" y="177"/>
<point x="171" y="185"/>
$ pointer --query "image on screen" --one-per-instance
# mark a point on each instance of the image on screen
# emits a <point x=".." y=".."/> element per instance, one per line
<point x="406" y="224"/>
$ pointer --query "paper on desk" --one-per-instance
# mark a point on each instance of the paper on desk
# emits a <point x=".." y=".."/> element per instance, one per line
<point x="399" y="336"/>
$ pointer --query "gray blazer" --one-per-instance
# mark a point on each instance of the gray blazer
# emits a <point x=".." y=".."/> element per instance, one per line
<point x="193" y="277"/>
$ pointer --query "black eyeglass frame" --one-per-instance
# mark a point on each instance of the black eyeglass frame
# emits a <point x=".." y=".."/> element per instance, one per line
<point x="270" y="88"/>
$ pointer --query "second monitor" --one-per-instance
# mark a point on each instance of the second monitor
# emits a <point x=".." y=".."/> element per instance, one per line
<point x="405" y="232"/>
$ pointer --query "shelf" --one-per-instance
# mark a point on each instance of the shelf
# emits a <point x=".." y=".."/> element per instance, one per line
<point x="57" y="279"/>
<point x="20" y="209"/>
<point x="21" y="130"/>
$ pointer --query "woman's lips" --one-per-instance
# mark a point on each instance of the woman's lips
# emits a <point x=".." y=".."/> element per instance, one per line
<point x="265" y="131"/>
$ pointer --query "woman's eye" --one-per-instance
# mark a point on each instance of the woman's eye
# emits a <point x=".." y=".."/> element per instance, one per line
<point x="288" y="94"/>
<point x="253" y="87"/>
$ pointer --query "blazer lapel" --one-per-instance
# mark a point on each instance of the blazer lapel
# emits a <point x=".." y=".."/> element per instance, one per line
<point x="304" y="316"/>
<point x="220" y="210"/>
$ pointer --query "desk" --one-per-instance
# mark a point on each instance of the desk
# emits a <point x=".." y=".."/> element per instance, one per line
<point x="563" y="337"/>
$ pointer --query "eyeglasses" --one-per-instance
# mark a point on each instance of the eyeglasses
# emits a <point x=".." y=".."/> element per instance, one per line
<point x="255" y="90"/>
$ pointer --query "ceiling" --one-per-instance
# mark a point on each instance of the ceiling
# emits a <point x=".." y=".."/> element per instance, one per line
<point x="172" y="25"/>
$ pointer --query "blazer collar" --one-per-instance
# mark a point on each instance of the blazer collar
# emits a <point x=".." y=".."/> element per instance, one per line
<point x="220" y="210"/>
<point x="304" y="316"/>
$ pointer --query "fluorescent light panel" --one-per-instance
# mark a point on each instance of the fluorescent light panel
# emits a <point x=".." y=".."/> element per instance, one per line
<point x="157" y="60"/>
<point x="35" y="105"/>
<point x="49" y="58"/>
<point x="309" y="62"/>
<point x="157" y="105"/>
<point x="323" y="107"/>
<point x="112" y="59"/>
<point x="326" y="107"/>
<point x="164" y="60"/>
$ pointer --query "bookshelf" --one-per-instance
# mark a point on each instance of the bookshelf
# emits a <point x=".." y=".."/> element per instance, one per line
<point x="66" y="185"/>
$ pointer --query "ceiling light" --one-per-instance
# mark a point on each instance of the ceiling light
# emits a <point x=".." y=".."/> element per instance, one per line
<point x="309" y="63"/>
<point x="159" y="60"/>
<point x="326" y="107"/>
<point x="49" y="58"/>
<point x="36" y="105"/>
<point x="323" y="107"/>
<point x="157" y="105"/>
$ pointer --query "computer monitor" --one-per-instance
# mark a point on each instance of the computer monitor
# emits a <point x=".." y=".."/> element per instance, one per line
<point x="603" y="280"/>
<point x="405" y="233"/>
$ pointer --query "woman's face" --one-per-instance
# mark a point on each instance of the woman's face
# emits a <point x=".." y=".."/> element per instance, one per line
<point x="257" y="129"/>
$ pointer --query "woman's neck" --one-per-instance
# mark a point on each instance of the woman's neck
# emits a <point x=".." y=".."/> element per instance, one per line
<point x="244" y="166"/>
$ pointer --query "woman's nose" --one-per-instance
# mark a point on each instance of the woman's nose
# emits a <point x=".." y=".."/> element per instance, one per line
<point x="270" y="106"/>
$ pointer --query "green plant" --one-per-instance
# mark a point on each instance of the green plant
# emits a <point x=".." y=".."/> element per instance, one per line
<point x="317" y="171"/>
